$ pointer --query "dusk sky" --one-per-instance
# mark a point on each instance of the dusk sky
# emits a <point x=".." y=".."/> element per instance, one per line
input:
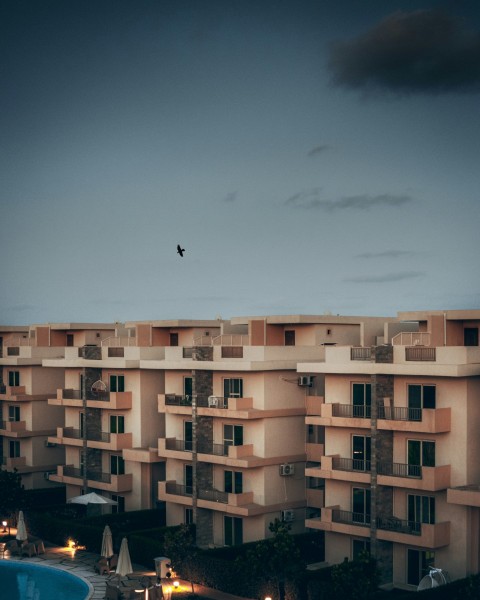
<point x="310" y="157"/>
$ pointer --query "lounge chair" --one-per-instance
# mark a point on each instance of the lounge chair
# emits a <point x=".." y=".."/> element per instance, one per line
<point x="28" y="549"/>
<point x="101" y="566"/>
<point x="13" y="547"/>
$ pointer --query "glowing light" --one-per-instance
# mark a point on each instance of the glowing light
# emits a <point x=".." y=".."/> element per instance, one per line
<point x="4" y="523"/>
<point x="176" y="584"/>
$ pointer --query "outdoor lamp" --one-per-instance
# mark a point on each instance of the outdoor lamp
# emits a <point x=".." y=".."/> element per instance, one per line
<point x="4" y="523"/>
<point x="176" y="584"/>
<point x="268" y="598"/>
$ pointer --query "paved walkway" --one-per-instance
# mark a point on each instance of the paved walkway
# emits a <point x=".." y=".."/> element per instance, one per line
<point x="82" y="563"/>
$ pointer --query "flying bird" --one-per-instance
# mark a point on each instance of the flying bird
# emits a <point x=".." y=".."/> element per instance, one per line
<point x="180" y="250"/>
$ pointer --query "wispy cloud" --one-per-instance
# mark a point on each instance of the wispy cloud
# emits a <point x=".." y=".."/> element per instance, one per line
<point x="318" y="150"/>
<point x="387" y="277"/>
<point x="230" y="197"/>
<point x="388" y="254"/>
<point x="424" y="51"/>
<point x="310" y="199"/>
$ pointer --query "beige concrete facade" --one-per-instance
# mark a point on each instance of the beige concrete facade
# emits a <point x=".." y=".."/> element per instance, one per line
<point x="401" y="467"/>
<point x="364" y="428"/>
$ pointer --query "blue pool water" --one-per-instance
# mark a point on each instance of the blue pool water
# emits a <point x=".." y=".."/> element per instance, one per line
<point x="25" y="581"/>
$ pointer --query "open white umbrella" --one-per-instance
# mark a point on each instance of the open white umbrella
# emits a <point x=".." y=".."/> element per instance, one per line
<point x="107" y="545"/>
<point x="124" y="565"/>
<point x="92" y="498"/>
<point x="21" y="529"/>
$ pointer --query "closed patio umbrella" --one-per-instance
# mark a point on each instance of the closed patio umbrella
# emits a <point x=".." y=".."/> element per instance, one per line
<point x="107" y="545"/>
<point x="21" y="529"/>
<point x="124" y="566"/>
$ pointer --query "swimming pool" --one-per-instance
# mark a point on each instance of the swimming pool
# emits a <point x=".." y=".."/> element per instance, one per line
<point x="26" y="581"/>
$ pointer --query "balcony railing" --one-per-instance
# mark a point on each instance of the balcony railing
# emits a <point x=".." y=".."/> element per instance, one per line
<point x="181" y="445"/>
<point x="351" y="411"/>
<point x="213" y="495"/>
<point x="411" y="338"/>
<point x="385" y="523"/>
<point x="213" y="449"/>
<point x="90" y="352"/>
<point x="399" y="413"/>
<point x="350" y="464"/>
<point x="359" y="353"/>
<point x="69" y="394"/>
<point x="76" y="434"/>
<point x="91" y="475"/>
<point x="177" y="400"/>
<point x="419" y="353"/>
<point x="172" y="487"/>
<point x="399" y="470"/>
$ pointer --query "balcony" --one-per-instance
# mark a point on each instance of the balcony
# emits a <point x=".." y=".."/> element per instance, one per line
<point x="427" y="479"/>
<point x="314" y="407"/>
<point x="389" y="528"/>
<point x="314" y="452"/>
<point x="142" y="455"/>
<point x="420" y="354"/>
<point x="402" y="418"/>
<point x="101" y="440"/>
<point x="11" y="462"/>
<point x="175" y="448"/>
<point x="361" y="353"/>
<point x="171" y="491"/>
<point x="107" y="400"/>
<point x="412" y="338"/>
<point x="11" y="391"/>
<point x="465" y="495"/>
<point x="108" y="482"/>
<point x="316" y="497"/>
<point x="13" y="428"/>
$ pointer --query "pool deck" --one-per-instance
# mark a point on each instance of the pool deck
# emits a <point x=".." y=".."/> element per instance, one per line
<point x="82" y="563"/>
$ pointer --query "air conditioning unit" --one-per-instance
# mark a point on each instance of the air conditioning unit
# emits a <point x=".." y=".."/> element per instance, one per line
<point x="305" y="381"/>
<point x="50" y="444"/>
<point x="212" y="402"/>
<point x="288" y="516"/>
<point x="287" y="469"/>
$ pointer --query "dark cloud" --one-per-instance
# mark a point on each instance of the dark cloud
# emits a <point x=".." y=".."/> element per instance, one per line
<point x="388" y="254"/>
<point x="230" y="197"/>
<point x="425" y="51"/>
<point x="310" y="199"/>
<point x="387" y="278"/>
<point x="318" y="150"/>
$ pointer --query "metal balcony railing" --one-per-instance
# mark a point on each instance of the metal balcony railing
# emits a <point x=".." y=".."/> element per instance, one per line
<point x="213" y="495"/>
<point x="350" y="464"/>
<point x="385" y="523"/>
<point x="172" y="487"/>
<point x="400" y="413"/>
<point x="351" y="411"/>
<point x="399" y="470"/>
<point x="92" y="475"/>
<point x="182" y="445"/>
<point x="177" y="400"/>
<point x="213" y="449"/>
<point x="76" y="434"/>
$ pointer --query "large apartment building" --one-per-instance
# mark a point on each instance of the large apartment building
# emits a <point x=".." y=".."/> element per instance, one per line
<point x="364" y="428"/>
<point x="400" y="447"/>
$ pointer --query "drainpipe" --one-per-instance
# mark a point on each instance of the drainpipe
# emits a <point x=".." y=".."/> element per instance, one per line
<point x="84" y="433"/>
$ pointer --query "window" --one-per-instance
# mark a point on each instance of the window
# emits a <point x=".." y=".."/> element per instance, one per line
<point x="188" y="516"/>
<point x="359" y="547"/>
<point x="81" y="423"/>
<point x="233" y="435"/>
<point x="421" y="509"/>
<point x="233" y="482"/>
<point x="69" y="339"/>
<point x="420" y="453"/>
<point x="117" y="424"/>
<point x="361" y="452"/>
<point x="233" y="388"/>
<point x="233" y="531"/>
<point x="174" y="339"/>
<point x="418" y="563"/>
<point x="361" y="399"/>
<point x="188" y="479"/>
<point x="361" y="505"/>
<point x="470" y="336"/>
<point x="290" y="337"/>
<point x="117" y="383"/>
<point x="14" y="378"/>
<point x="120" y="507"/>
<point x="117" y="465"/>
<point x="188" y="387"/>
<point x="13" y="413"/>
<point x="420" y="396"/>
<point x="188" y="435"/>
<point x="14" y="449"/>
